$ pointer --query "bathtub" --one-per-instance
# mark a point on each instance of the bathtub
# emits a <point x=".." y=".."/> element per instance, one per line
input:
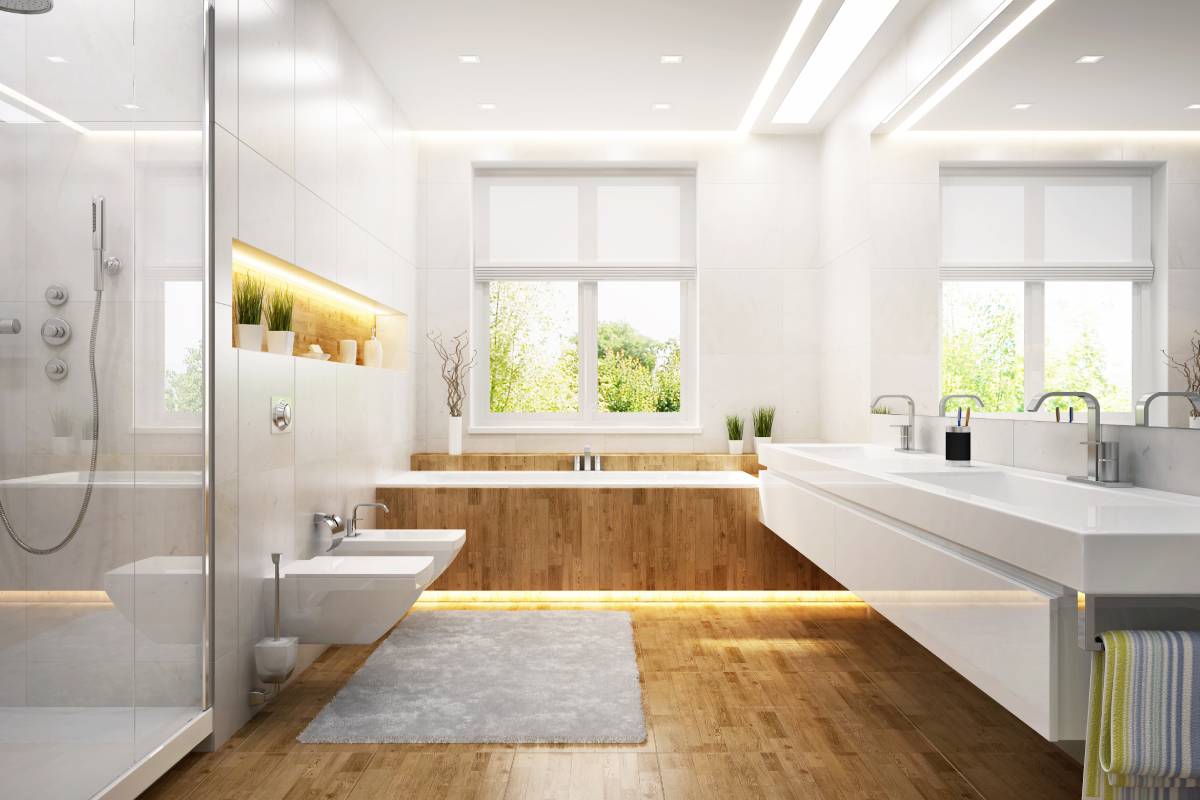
<point x="520" y="479"/>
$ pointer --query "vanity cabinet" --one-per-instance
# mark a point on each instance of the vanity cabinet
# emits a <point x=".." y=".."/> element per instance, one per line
<point x="1011" y="636"/>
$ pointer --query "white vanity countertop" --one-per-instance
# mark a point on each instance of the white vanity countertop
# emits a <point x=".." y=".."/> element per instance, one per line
<point x="1092" y="538"/>
<point x="536" y="479"/>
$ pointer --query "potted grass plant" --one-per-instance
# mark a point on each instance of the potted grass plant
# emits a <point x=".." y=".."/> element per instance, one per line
<point x="735" y="427"/>
<point x="280" y="338"/>
<point x="1189" y="369"/>
<point x="248" y="293"/>
<point x="763" y="420"/>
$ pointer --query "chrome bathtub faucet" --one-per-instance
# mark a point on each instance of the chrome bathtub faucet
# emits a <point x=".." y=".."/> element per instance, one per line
<point x="587" y="462"/>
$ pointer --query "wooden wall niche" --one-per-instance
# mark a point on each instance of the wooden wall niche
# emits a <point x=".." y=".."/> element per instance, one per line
<point x="326" y="312"/>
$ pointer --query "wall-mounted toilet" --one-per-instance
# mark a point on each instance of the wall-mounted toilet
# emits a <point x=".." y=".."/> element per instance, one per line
<point x="442" y="545"/>
<point x="348" y="600"/>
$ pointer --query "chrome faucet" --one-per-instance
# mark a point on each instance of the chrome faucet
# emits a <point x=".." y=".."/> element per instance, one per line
<point x="1141" y="411"/>
<point x="352" y="525"/>
<point x="587" y="462"/>
<point x="1103" y="467"/>
<point x="949" y="397"/>
<point x="906" y="431"/>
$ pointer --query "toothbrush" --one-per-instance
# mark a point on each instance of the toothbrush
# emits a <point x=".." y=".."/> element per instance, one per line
<point x="960" y="416"/>
<point x="1071" y="414"/>
<point x="968" y="422"/>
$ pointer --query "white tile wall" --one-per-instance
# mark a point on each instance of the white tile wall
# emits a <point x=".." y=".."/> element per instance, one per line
<point x="314" y="164"/>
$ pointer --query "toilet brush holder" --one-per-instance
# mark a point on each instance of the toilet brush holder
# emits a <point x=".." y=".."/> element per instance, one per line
<point x="275" y="658"/>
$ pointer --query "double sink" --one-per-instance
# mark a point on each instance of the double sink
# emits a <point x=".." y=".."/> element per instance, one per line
<point x="1091" y="538"/>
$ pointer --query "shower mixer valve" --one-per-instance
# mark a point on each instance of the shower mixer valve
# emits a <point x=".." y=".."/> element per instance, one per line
<point x="56" y="331"/>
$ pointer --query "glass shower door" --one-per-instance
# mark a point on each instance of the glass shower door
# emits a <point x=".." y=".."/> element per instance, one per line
<point x="102" y="261"/>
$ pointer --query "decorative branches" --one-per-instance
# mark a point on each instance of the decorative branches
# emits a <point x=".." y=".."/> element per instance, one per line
<point x="1188" y="367"/>
<point x="455" y="366"/>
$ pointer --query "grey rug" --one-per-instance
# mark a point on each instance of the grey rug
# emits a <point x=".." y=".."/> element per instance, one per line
<point x="493" y="676"/>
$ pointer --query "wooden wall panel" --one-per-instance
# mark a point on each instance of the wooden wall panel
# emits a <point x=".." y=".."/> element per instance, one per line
<point x="654" y="539"/>
<point x="686" y="462"/>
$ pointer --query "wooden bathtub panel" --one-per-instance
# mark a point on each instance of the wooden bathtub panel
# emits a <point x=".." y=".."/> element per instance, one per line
<point x="605" y="539"/>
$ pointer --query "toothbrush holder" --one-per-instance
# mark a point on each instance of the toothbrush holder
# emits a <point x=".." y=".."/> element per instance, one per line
<point x="958" y="445"/>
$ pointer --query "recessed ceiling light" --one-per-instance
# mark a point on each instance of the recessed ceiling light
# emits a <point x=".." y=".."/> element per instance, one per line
<point x="487" y="106"/>
<point x="56" y="59"/>
<point x="661" y="106"/>
<point x="468" y="59"/>
<point x="131" y="106"/>
<point x="670" y="59"/>
<point x="1194" y="107"/>
<point x="853" y="27"/>
<point x="1089" y="59"/>
<point x="1022" y="106"/>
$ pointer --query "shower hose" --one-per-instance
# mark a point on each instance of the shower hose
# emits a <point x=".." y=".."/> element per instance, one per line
<point x="87" y="494"/>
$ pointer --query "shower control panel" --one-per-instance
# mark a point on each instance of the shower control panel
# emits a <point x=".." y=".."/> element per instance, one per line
<point x="56" y="331"/>
<point x="57" y="294"/>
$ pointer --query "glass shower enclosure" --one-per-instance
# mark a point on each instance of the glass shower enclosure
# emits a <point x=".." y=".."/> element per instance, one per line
<point x="104" y="285"/>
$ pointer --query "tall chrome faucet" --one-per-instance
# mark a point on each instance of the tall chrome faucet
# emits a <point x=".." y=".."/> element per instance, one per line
<point x="949" y="397"/>
<point x="352" y="524"/>
<point x="1103" y="467"/>
<point x="906" y="431"/>
<point x="1141" y="411"/>
<point x="587" y="462"/>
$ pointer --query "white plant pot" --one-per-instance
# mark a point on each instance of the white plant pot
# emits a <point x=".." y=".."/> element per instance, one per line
<point x="62" y="445"/>
<point x="736" y="448"/>
<point x="759" y="441"/>
<point x="455" y="429"/>
<point x="281" y="342"/>
<point x="1194" y="423"/>
<point x="250" y="337"/>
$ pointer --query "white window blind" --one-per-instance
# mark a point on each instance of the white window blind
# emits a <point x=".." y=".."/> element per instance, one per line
<point x="1038" y="225"/>
<point x="584" y="224"/>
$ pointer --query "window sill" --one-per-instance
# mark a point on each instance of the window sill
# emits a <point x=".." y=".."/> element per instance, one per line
<point x="566" y="430"/>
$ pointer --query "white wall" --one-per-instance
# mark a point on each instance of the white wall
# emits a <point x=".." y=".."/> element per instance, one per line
<point x="759" y="286"/>
<point x="315" y="164"/>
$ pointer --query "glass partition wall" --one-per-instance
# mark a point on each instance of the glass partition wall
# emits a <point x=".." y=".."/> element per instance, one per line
<point x="103" y="289"/>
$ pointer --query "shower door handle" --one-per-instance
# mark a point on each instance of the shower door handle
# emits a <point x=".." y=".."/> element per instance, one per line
<point x="10" y="326"/>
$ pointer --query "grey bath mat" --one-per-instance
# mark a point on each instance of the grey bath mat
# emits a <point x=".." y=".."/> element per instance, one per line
<point x="493" y="676"/>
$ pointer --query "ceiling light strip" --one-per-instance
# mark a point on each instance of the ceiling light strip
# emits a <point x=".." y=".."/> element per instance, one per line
<point x="972" y="36"/>
<point x="41" y="109"/>
<point x="783" y="54"/>
<point x="975" y="62"/>
<point x="852" y="29"/>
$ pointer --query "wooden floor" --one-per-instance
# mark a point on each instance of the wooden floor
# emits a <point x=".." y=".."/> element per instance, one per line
<point x="797" y="701"/>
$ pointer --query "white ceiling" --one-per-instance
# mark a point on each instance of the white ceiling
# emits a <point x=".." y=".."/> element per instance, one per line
<point x="569" y="64"/>
<point x="1150" y="72"/>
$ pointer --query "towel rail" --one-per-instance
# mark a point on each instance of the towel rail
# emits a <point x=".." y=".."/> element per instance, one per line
<point x="1106" y="613"/>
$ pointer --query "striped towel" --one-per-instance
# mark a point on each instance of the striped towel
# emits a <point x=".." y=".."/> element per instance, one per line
<point x="1143" y="735"/>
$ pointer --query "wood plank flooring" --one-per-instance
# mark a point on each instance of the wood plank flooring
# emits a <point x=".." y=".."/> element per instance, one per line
<point x="790" y="701"/>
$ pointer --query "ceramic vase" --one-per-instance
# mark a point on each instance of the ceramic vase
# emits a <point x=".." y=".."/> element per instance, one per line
<point x="736" y="448"/>
<point x="455" y="442"/>
<point x="281" y="342"/>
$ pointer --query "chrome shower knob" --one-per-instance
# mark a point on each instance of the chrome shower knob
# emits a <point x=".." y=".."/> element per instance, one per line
<point x="56" y="331"/>
<point x="57" y="369"/>
<point x="57" y="294"/>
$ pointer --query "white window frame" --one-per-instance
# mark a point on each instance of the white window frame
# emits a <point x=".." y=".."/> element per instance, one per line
<point x="1034" y="271"/>
<point x="586" y="272"/>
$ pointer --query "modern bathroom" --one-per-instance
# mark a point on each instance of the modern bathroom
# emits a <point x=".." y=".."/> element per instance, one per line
<point x="705" y="400"/>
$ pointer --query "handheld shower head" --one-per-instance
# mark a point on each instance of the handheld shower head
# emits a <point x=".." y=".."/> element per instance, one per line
<point x="26" y="6"/>
<point x="110" y="264"/>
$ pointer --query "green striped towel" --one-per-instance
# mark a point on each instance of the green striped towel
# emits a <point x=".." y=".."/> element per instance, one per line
<point x="1143" y="735"/>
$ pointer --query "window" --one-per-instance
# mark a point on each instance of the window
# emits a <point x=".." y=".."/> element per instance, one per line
<point x="170" y="290"/>
<point x="1043" y="275"/>
<point x="584" y="299"/>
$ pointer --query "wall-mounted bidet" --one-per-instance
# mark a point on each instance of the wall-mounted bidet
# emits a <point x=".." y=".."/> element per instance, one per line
<point x="342" y="600"/>
<point x="442" y="545"/>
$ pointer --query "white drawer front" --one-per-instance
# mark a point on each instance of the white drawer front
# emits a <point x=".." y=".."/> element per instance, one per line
<point x="997" y="633"/>
<point x="800" y="517"/>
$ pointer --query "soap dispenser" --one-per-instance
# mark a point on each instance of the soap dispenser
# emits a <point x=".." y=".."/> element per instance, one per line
<point x="373" y="351"/>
